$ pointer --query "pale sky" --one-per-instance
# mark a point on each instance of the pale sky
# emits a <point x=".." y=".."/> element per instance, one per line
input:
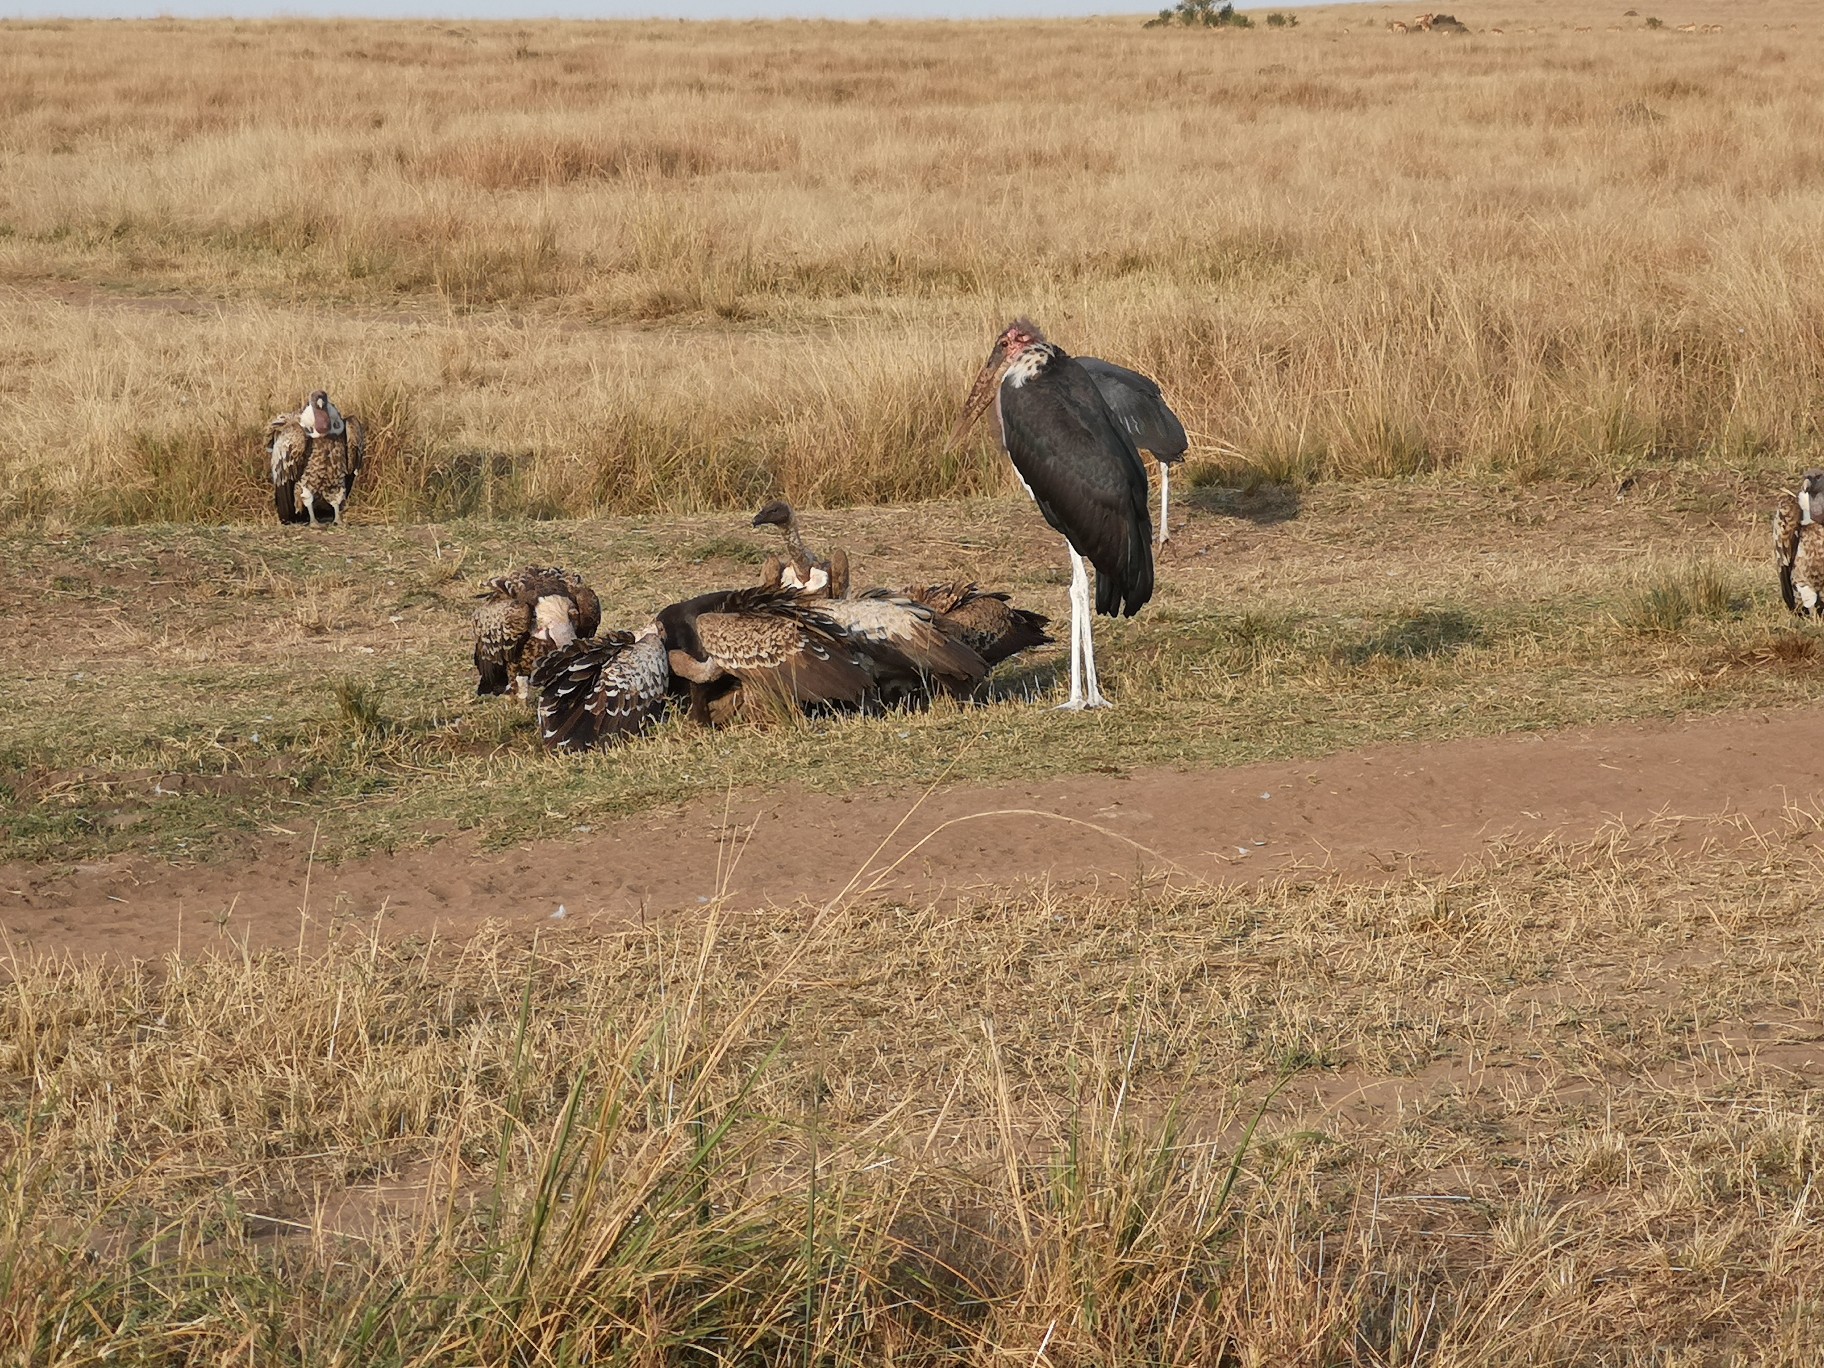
<point x="587" y="9"/>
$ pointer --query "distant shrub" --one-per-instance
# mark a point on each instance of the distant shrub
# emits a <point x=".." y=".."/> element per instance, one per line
<point x="1655" y="23"/>
<point x="1202" y="14"/>
<point x="1275" y="19"/>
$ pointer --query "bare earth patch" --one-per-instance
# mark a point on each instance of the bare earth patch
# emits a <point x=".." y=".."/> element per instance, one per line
<point x="1377" y="812"/>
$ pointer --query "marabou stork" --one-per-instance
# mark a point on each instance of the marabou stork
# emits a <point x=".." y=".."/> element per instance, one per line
<point x="1082" y="469"/>
<point x="828" y="578"/>
<point x="315" y="457"/>
<point x="1140" y="408"/>
<point x="524" y="617"/>
<point x="1798" y="545"/>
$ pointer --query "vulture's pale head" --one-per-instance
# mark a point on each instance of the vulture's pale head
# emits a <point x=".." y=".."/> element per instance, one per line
<point x="1811" y="495"/>
<point x="320" y="417"/>
<point x="778" y="513"/>
<point x="553" y="617"/>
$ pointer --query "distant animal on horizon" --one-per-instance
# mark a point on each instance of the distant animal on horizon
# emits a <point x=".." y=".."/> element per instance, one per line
<point x="1798" y="545"/>
<point x="1083" y="471"/>
<point x="523" y="618"/>
<point x="316" y="456"/>
<point x="800" y="569"/>
<point x="1139" y="406"/>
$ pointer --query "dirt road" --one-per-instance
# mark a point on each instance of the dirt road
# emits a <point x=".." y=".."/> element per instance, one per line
<point x="1424" y="807"/>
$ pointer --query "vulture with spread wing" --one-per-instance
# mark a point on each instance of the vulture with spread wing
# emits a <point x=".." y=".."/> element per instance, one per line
<point x="315" y="457"/>
<point x="523" y="618"/>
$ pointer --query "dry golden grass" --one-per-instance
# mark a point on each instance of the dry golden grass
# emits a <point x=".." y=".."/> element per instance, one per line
<point x="193" y="694"/>
<point x="1559" y="1109"/>
<point x="652" y="267"/>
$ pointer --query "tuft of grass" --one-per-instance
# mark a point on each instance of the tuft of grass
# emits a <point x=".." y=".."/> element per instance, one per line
<point x="1672" y="599"/>
<point x="358" y="705"/>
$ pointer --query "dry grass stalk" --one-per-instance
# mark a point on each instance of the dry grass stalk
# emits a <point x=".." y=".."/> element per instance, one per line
<point x="574" y="268"/>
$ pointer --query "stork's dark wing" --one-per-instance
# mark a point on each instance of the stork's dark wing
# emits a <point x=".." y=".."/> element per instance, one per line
<point x="593" y="693"/>
<point x="1787" y="520"/>
<point x="1140" y="408"/>
<point x="287" y="448"/>
<point x="1086" y="477"/>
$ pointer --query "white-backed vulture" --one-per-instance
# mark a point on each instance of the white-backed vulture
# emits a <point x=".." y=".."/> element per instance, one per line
<point x="315" y="457"/>
<point x="524" y="617"/>
<point x="800" y="569"/>
<point x="1798" y="545"/>
<point x="987" y="623"/>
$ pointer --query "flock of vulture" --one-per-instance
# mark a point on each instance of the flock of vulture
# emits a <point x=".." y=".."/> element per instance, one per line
<point x="804" y="638"/>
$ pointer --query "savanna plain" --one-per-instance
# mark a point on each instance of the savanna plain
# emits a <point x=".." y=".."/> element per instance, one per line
<point x="1493" y="349"/>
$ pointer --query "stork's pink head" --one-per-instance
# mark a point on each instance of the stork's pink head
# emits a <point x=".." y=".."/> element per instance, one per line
<point x="1015" y="338"/>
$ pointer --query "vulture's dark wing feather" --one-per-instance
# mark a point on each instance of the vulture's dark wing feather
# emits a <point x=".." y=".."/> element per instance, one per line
<point x="593" y="693"/>
<point x="287" y="448"/>
<point x="1787" y="520"/>
<point x="1085" y="474"/>
<point x="1140" y="408"/>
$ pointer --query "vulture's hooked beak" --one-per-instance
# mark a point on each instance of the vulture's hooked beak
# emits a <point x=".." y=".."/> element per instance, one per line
<point x="319" y="414"/>
<point x="981" y="394"/>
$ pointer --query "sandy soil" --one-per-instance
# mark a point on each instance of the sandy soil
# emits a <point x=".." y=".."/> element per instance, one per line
<point x="1422" y="807"/>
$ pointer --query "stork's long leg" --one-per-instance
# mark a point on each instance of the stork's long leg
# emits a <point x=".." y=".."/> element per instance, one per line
<point x="1079" y="580"/>
<point x="1082" y="648"/>
<point x="1165" y="503"/>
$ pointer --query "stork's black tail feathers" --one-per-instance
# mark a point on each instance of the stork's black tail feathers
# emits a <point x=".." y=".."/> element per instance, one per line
<point x="1123" y="590"/>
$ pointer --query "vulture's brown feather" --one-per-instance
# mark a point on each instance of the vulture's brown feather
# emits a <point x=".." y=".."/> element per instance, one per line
<point x="523" y="618"/>
<point x="987" y="622"/>
<point x="592" y="693"/>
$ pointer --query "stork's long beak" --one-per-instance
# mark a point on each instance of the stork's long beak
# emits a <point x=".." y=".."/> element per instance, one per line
<point x="981" y="394"/>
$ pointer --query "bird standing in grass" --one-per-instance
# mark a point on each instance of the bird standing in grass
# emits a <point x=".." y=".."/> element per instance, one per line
<point x="1798" y="545"/>
<point x="1083" y="470"/>
<point x="524" y="617"/>
<point x="1139" y="407"/>
<point x="315" y="456"/>
<point x="800" y="569"/>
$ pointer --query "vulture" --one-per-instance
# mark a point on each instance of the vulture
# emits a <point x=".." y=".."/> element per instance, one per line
<point x="985" y="622"/>
<point x="316" y="456"/>
<point x="800" y="569"/>
<point x="1083" y="471"/>
<point x="1798" y="545"/>
<point x="1140" y="408"/>
<point x="523" y="618"/>
<point x="745" y="652"/>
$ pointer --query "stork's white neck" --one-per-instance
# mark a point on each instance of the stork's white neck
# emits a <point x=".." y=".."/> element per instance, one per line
<point x="1028" y="364"/>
